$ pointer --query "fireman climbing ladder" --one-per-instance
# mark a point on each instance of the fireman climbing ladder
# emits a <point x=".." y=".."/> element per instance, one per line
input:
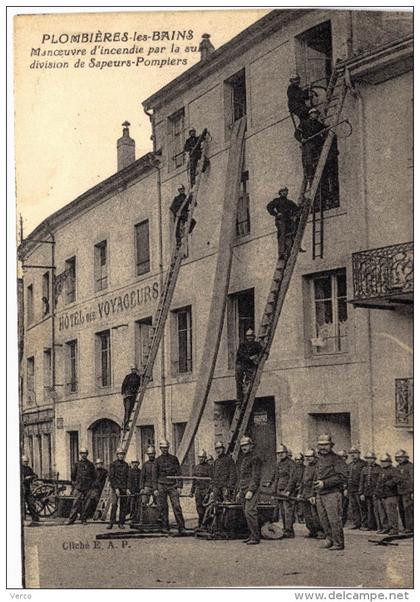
<point x="165" y="300"/>
<point x="220" y="285"/>
<point x="335" y="96"/>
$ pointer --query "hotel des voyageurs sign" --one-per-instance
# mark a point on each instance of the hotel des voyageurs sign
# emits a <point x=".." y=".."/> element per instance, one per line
<point x="107" y="307"/>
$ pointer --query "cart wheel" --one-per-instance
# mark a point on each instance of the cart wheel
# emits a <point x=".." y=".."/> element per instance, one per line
<point x="45" y="500"/>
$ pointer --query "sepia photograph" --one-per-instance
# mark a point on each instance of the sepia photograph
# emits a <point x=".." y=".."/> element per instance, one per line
<point x="215" y="282"/>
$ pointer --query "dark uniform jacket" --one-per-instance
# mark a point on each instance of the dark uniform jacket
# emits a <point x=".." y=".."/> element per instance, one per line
<point x="245" y="351"/>
<point x="99" y="482"/>
<point x="306" y="489"/>
<point x="131" y="384"/>
<point x="202" y="470"/>
<point x="224" y="472"/>
<point x="332" y="470"/>
<point x="250" y="472"/>
<point x="134" y="476"/>
<point x="27" y="472"/>
<point x="388" y="481"/>
<point x="163" y="467"/>
<point x="355" y="468"/>
<point x="369" y="476"/>
<point x="282" y="475"/>
<point x="118" y="474"/>
<point x="83" y="475"/>
<point x="406" y="484"/>
<point x="307" y="129"/>
<point x="296" y="99"/>
<point x="296" y="479"/>
<point x="146" y="479"/>
<point x="283" y="209"/>
<point x="177" y="204"/>
<point x="191" y="145"/>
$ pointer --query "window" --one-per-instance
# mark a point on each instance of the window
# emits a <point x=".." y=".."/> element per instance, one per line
<point x="240" y="317"/>
<point x="235" y="97"/>
<point x="48" y="456"/>
<point x="243" y="224"/>
<point x="314" y="54"/>
<point x="30" y="379"/>
<point x="142" y="248"/>
<point x="71" y="280"/>
<point x="329" y="318"/>
<point x="30" y="304"/>
<point x="71" y="367"/>
<point x="176" y="131"/>
<point x="183" y="325"/>
<point x="144" y="333"/>
<point x="45" y="294"/>
<point x="73" y="448"/>
<point x="103" y="358"/>
<point x="47" y="374"/>
<point x="101" y="266"/>
<point x="188" y="464"/>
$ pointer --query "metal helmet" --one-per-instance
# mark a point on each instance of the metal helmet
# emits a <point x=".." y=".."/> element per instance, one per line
<point x="401" y="453"/>
<point x="250" y="333"/>
<point x="283" y="189"/>
<point x="354" y="450"/>
<point x="83" y="450"/>
<point x="150" y="450"/>
<point x="281" y="449"/>
<point x="135" y="461"/>
<point x="342" y="453"/>
<point x="324" y="439"/>
<point x="120" y="450"/>
<point x="25" y="459"/>
<point x="294" y="77"/>
<point x="245" y="441"/>
<point x="309" y="453"/>
<point x="99" y="461"/>
<point x="133" y="367"/>
<point x="314" y="111"/>
<point x="219" y="444"/>
<point x="385" y="458"/>
<point x="164" y="443"/>
<point x="298" y="456"/>
<point x="202" y="453"/>
<point x="370" y="455"/>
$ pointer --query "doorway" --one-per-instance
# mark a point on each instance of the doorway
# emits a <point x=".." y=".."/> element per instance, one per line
<point x="105" y="439"/>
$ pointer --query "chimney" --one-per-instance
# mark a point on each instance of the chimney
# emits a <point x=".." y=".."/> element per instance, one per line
<point x="205" y="47"/>
<point x="126" y="148"/>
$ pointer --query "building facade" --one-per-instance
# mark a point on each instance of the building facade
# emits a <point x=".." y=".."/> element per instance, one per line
<point x="341" y="360"/>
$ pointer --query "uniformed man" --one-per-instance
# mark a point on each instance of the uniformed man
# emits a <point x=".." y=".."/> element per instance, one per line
<point x="164" y="467"/>
<point x="367" y="485"/>
<point x="405" y="490"/>
<point x="200" y="489"/>
<point x="387" y="494"/>
<point x="246" y="362"/>
<point x="286" y="214"/>
<point x="129" y="389"/>
<point x="95" y="491"/>
<point x="224" y="474"/>
<point x="134" y="477"/>
<point x="192" y="147"/>
<point x="146" y="479"/>
<point x="311" y="135"/>
<point x="83" y="475"/>
<point x="249" y="486"/>
<point x="356" y="505"/>
<point x="329" y="481"/>
<point x="28" y="475"/>
<point x="295" y="485"/>
<point x="118" y="480"/>
<point x="306" y="492"/>
<point x="344" y="455"/>
<point x="179" y="208"/>
<point x="283" y="484"/>
<point x="297" y="97"/>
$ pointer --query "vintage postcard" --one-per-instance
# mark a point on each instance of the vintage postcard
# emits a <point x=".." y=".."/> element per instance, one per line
<point x="215" y="297"/>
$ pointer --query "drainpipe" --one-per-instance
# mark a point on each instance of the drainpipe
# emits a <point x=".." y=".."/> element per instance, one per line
<point x="156" y="165"/>
<point x="364" y="196"/>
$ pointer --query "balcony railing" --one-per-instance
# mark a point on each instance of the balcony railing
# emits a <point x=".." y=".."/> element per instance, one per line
<point x="404" y="402"/>
<point x="384" y="277"/>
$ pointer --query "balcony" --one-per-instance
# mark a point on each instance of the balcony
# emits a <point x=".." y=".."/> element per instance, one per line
<point x="384" y="278"/>
<point x="404" y="402"/>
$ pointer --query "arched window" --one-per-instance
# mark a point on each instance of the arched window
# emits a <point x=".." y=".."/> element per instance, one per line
<point x="105" y="438"/>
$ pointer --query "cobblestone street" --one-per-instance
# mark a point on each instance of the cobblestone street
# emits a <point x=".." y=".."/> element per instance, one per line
<point x="185" y="562"/>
